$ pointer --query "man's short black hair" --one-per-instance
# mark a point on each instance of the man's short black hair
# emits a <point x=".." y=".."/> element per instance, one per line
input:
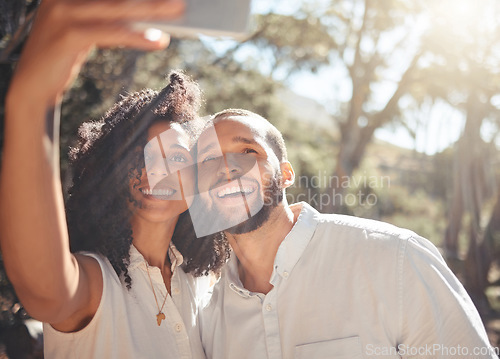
<point x="273" y="137"/>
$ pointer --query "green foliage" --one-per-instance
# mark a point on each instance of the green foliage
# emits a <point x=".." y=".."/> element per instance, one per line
<point x="230" y="87"/>
<point x="298" y="42"/>
<point x="310" y="151"/>
<point x="416" y="211"/>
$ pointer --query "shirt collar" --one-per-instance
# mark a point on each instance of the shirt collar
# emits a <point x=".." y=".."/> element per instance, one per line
<point x="296" y="241"/>
<point x="289" y="251"/>
<point x="175" y="256"/>
<point x="137" y="259"/>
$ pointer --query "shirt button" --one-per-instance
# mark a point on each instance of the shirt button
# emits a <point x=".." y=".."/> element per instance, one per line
<point x="269" y="307"/>
<point x="176" y="291"/>
<point x="178" y="327"/>
<point x="285" y="274"/>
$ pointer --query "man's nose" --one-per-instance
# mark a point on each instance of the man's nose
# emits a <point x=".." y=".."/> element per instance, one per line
<point x="229" y="167"/>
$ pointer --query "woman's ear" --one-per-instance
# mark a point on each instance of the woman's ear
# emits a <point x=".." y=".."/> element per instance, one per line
<point x="287" y="174"/>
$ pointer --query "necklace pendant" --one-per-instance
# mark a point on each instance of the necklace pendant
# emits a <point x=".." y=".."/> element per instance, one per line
<point x="159" y="317"/>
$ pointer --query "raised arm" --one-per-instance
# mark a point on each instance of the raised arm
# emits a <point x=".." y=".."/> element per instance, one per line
<point x="53" y="284"/>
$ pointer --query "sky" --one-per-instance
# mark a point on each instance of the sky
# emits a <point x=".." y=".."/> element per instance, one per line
<point x="443" y="129"/>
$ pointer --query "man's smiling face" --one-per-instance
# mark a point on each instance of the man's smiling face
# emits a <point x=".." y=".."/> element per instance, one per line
<point x="238" y="174"/>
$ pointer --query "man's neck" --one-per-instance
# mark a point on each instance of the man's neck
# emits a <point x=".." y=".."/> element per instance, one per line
<point x="257" y="250"/>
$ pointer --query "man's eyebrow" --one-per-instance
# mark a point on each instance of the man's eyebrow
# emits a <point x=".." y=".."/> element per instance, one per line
<point x="240" y="139"/>
<point x="248" y="141"/>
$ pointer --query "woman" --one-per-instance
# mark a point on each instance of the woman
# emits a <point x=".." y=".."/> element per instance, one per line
<point x="114" y="301"/>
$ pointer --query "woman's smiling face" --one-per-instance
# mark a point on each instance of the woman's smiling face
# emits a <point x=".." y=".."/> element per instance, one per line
<point x="167" y="181"/>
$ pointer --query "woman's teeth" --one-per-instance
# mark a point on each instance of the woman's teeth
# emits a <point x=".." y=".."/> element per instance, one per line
<point x="157" y="192"/>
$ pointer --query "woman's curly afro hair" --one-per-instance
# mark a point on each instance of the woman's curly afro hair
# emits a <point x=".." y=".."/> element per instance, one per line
<point x="104" y="161"/>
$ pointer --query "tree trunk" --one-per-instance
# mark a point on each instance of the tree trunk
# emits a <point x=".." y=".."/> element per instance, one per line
<point x="356" y="136"/>
<point x="491" y="239"/>
<point x="471" y="149"/>
<point x="455" y="216"/>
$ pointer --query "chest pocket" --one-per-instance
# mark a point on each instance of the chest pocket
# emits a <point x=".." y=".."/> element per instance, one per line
<point x="346" y="348"/>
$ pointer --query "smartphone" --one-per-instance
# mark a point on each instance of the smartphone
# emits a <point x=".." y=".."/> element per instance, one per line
<point x="216" y="18"/>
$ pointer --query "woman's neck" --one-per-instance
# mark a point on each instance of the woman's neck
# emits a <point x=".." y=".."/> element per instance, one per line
<point x="152" y="240"/>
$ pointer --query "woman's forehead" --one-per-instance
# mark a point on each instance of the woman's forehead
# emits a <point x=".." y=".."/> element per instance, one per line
<point x="169" y="134"/>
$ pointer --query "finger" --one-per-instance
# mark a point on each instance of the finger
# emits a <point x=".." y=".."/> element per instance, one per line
<point x="117" y="36"/>
<point x="128" y="10"/>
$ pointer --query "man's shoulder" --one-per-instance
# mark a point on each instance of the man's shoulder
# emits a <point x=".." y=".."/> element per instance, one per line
<point x="369" y="235"/>
<point x="352" y="224"/>
<point x="348" y="221"/>
<point x="339" y="228"/>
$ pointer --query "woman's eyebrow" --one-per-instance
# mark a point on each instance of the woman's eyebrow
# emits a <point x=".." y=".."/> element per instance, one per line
<point x="178" y="145"/>
<point x="174" y="145"/>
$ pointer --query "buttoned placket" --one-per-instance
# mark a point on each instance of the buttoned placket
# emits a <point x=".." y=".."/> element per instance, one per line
<point x="287" y="256"/>
<point x="173" y="320"/>
<point x="271" y="320"/>
<point x="268" y="304"/>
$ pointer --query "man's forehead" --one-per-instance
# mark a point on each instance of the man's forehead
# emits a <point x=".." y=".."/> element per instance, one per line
<point x="232" y="128"/>
<point x="252" y="123"/>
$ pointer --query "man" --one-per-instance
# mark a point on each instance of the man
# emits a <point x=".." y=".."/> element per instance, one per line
<point x="300" y="284"/>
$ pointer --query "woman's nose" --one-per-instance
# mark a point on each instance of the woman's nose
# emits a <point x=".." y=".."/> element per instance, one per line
<point x="157" y="173"/>
<point x="158" y="169"/>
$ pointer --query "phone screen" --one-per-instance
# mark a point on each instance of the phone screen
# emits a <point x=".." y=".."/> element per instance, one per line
<point x="226" y="18"/>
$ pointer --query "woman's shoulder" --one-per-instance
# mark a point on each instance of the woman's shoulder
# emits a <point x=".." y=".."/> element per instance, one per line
<point x="108" y="273"/>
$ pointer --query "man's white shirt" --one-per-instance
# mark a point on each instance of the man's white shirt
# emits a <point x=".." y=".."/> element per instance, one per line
<point x="345" y="287"/>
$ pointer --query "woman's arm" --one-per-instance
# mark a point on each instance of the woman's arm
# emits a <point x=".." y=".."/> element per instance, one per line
<point x="53" y="284"/>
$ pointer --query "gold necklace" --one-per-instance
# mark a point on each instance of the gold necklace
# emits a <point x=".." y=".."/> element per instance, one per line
<point x="160" y="316"/>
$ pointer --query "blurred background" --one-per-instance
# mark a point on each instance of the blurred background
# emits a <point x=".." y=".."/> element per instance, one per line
<point x="390" y="110"/>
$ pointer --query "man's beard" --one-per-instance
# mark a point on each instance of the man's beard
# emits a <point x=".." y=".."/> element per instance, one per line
<point x="273" y="196"/>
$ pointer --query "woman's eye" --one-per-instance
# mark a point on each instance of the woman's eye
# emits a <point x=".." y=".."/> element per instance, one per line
<point x="209" y="158"/>
<point x="178" y="157"/>
<point x="150" y="158"/>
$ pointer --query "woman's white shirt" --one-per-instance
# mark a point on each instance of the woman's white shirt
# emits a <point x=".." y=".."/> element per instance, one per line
<point x="125" y="323"/>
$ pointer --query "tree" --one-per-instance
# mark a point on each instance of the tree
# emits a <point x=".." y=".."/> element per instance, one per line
<point x="461" y="68"/>
<point x="360" y="38"/>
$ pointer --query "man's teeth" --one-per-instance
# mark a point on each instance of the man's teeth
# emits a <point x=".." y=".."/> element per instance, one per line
<point x="232" y="190"/>
<point x="157" y="192"/>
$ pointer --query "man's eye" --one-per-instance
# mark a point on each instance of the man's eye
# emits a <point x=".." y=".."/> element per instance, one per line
<point x="249" y="150"/>
<point x="178" y="157"/>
